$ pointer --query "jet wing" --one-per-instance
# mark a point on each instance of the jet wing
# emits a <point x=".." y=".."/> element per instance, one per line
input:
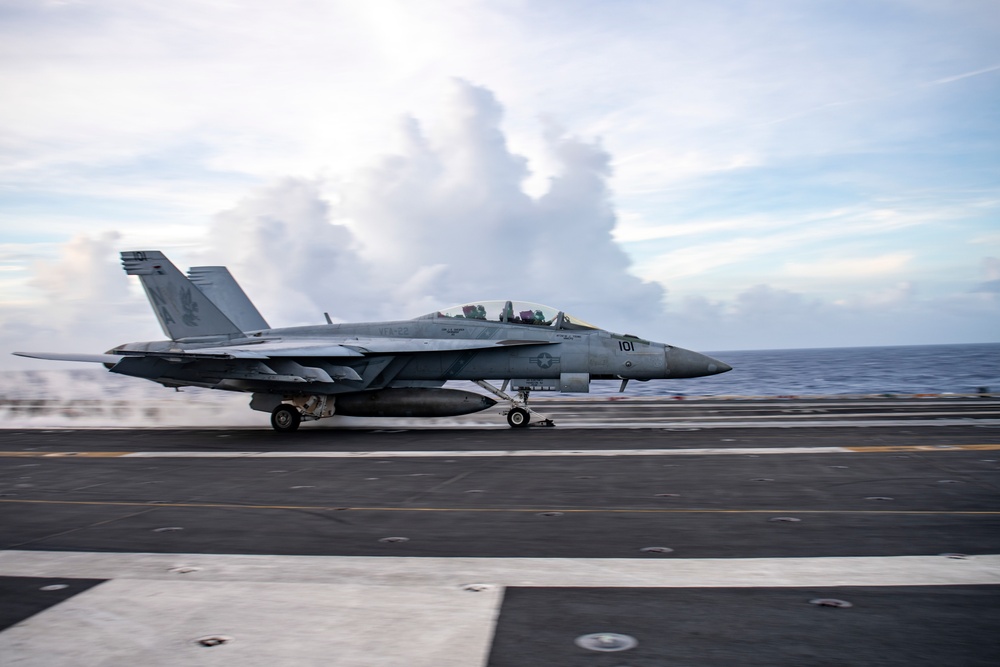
<point x="324" y="348"/>
<point x="65" y="356"/>
<point x="271" y="350"/>
<point x="259" y="365"/>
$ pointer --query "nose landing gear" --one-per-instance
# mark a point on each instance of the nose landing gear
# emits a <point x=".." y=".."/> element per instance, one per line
<point x="519" y="415"/>
<point x="518" y="418"/>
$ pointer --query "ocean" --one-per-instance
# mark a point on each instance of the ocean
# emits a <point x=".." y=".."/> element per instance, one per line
<point x="923" y="369"/>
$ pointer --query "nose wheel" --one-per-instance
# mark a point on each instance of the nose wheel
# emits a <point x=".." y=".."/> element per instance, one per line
<point x="519" y="414"/>
<point x="518" y="418"/>
<point x="285" y="418"/>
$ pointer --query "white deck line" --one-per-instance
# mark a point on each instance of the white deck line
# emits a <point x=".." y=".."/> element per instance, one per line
<point x="447" y="453"/>
<point x="666" y="572"/>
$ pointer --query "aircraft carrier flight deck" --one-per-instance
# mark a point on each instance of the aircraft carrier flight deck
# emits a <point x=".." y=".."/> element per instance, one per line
<point x="634" y="533"/>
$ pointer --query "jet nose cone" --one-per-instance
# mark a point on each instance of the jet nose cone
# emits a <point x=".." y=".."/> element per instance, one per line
<point x="720" y="367"/>
<point x="683" y="363"/>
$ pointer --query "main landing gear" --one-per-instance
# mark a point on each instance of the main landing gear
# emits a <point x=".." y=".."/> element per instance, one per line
<point x="519" y="415"/>
<point x="285" y="418"/>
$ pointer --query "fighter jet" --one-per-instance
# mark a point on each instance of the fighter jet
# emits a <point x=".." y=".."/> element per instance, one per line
<point x="218" y="340"/>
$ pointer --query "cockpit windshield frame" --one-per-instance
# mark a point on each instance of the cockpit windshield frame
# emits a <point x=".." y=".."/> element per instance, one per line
<point x="511" y="312"/>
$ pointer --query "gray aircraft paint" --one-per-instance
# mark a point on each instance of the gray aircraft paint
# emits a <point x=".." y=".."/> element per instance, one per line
<point x="306" y="368"/>
<point x="221" y="288"/>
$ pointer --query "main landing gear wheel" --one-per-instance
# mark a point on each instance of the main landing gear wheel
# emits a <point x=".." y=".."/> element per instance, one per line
<point x="285" y="418"/>
<point x="518" y="418"/>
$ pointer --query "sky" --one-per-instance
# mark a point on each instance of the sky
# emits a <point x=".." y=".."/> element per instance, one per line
<point x="720" y="176"/>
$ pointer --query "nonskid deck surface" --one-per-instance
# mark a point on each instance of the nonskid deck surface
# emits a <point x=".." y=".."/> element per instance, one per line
<point x="707" y="546"/>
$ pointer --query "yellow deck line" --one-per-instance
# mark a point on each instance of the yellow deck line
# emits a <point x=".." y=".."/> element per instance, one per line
<point x="922" y="448"/>
<point x="93" y="455"/>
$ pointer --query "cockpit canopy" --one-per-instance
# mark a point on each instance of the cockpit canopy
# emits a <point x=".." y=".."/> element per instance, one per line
<point x="514" y="312"/>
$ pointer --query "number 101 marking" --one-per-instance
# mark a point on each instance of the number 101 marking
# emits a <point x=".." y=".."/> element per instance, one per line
<point x="626" y="346"/>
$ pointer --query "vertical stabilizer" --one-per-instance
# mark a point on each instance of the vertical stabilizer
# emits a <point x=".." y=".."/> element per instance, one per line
<point x="183" y="310"/>
<point x="218" y="284"/>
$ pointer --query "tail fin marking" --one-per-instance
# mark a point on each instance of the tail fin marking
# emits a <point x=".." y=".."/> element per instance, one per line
<point x="182" y="309"/>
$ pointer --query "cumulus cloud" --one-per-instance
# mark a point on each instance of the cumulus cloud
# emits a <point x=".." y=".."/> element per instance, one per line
<point x="82" y="275"/>
<point x="281" y="246"/>
<point x="445" y="220"/>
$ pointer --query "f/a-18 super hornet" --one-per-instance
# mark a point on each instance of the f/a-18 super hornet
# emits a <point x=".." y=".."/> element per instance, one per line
<point x="219" y="340"/>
